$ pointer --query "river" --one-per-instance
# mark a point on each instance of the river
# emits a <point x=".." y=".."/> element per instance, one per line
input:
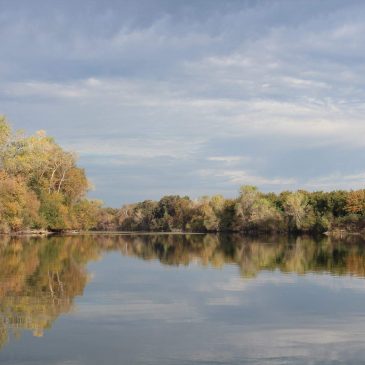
<point x="181" y="299"/>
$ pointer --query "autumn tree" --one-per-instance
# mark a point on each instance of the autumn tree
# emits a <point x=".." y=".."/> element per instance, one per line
<point x="355" y="202"/>
<point x="41" y="184"/>
<point x="254" y="212"/>
<point x="18" y="205"/>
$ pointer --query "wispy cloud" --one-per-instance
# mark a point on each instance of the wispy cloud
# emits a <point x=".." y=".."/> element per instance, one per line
<point x="243" y="177"/>
<point x="137" y="148"/>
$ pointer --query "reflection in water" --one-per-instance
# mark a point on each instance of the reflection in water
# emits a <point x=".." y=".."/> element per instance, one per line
<point x="38" y="280"/>
<point x="40" y="277"/>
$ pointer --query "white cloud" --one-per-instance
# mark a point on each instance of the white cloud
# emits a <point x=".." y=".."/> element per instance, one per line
<point x="337" y="181"/>
<point x="243" y="177"/>
<point x="201" y="84"/>
<point x="229" y="160"/>
<point x="136" y="148"/>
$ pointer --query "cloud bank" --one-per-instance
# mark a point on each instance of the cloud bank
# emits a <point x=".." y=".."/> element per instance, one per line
<point x="194" y="97"/>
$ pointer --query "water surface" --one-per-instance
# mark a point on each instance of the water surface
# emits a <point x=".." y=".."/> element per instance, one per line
<point x="180" y="299"/>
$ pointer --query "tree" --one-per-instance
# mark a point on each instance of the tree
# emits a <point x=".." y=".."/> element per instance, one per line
<point x="54" y="212"/>
<point x="254" y="212"/>
<point x="295" y="205"/>
<point x="355" y="202"/>
<point x="18" y="206"/>
<point x="5" y="131"/>
<point x="85" y="214"/>
<point x="40" y="178"/>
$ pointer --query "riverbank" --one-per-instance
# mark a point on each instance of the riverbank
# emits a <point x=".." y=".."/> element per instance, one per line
<point x="337" y="232"/>
<point x="348" y="226"/>
<point x="28" y="232"/>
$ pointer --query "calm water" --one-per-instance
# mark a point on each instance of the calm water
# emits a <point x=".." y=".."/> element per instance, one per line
<point x="174" y="299"/>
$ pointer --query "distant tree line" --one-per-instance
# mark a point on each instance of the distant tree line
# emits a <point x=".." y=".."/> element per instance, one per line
<point x="41" y="187"/>
<point x="251" y="212"/>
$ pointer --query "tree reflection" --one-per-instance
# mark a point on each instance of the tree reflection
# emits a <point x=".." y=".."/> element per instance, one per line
<point x="299" y="255"/>
<point x="40" y="278"/>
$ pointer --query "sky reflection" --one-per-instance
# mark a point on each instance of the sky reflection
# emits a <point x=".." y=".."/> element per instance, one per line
<point x="139" y="305"/>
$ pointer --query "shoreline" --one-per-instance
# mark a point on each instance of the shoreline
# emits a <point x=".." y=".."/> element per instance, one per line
<point x="335" y="233"/>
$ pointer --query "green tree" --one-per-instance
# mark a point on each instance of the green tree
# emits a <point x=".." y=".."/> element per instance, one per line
<point x="253" y="211"/>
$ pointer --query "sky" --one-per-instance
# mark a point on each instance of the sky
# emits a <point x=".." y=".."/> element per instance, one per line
<point x="193" y="97"/>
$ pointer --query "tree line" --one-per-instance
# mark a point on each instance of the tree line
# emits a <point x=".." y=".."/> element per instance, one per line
<point x="251" y="212"/>
<point x="41" y="187"/>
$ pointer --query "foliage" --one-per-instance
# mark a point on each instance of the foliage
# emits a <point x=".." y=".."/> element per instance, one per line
<point x="40" y="184"/>
<point x="252" y="212"/>
<point x="18" y="205"/>
<point x="355" y="202"/>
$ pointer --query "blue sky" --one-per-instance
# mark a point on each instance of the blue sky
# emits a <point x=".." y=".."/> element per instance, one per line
<point x="192" y="97"/>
